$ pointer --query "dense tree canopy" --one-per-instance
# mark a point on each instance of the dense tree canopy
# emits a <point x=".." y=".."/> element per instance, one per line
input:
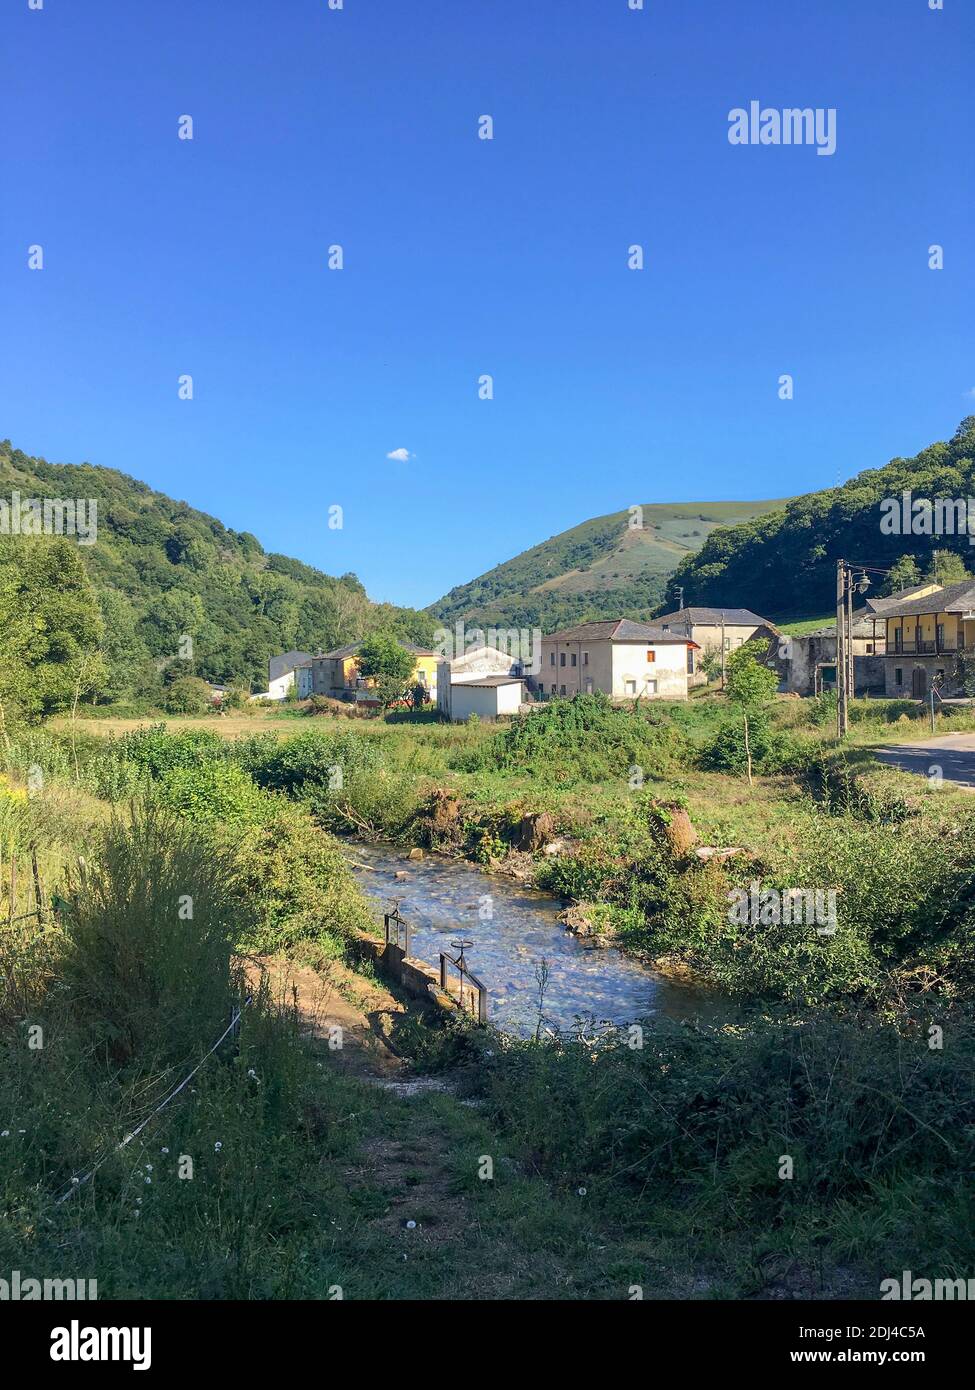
<point x="783" y="565"/>
<point x="51" y="625"/>
<point x="164" y="573"/>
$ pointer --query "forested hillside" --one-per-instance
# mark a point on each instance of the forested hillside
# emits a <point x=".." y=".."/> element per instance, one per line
<point x="603" y="568"/>
<point x="163" y="571"/>
<point x="783" y="564"/>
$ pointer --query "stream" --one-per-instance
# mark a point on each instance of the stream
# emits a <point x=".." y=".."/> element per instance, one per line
<point x="444" y="899"/>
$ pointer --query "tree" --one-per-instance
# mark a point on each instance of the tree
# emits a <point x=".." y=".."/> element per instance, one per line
<point x="52" y="628"/>
<point x="750" y="686"/>
<point x="904" y="573"/>
<point x="188" y="695"/>
<point x="381" y="659"/>
<point x="946" y="567"/>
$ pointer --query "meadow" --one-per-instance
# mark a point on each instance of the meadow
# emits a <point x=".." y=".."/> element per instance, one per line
<point x="660" y="1165"/>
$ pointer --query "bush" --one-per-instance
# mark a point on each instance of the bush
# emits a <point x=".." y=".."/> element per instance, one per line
<point x="213" y="793"/>
<point x="297" y="882"/>
<point x="156" y="750"/>
<point x="149" y="931"/>
<point x="310" y="762"/>
<point x="586" y="738"/>
<point x="188" y="695"/>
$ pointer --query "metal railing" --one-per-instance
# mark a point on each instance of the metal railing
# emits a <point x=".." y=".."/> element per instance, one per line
<point x="475" y="995"/>
<point x="397" y="930"/>
<point x="928" y="647"/>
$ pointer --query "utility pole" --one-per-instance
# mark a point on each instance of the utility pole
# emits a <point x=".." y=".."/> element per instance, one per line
<point x="850" y="686"/>
<point x="842" y="711"/>
<point x="722" y="650"/>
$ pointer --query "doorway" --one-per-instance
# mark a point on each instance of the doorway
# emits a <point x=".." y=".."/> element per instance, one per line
<point x="919" y="683"/>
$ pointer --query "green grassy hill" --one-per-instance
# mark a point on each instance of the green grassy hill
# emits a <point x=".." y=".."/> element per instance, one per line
<point x="599" y="569"/>
<point x="163" y="570"/>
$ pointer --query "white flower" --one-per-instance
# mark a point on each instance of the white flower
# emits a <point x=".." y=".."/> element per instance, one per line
<point x="148" y="1180"/>
<point x="148" y="1167"/>
<point x="582" y="1192"/>
<point x="4" y="1133"/>
<point x="411" y="1225"/>
<point x="217" y="1146"/>
<point x="165" y="1151"/>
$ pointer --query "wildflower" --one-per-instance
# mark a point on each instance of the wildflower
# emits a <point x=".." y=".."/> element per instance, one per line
<point x="165" y="1151"/>
<point x="4" y="1133"/>
<point x="582" y="1192"/>
<point x="217" y="1146"/>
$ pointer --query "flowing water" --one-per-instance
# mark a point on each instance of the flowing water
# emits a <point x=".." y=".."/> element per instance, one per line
<point x="513" y="930"/>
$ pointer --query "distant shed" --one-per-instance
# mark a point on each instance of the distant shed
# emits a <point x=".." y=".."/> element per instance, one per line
<point x="488" y="697"/>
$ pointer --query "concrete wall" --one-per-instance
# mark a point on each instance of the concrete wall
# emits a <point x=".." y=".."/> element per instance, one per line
<point x="487" y="702"/>
<point x="473" y="665"/>
<point x="663" y="678"/>
<point x="279" y="687"/>
<point x="578" y="667"/>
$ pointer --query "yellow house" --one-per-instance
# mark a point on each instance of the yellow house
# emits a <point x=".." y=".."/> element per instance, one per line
<point x="925" y="636"/>
<point x="336" y="674"/>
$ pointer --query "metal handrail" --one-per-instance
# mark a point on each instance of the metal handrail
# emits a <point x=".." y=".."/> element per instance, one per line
<point x="460" y="962"/>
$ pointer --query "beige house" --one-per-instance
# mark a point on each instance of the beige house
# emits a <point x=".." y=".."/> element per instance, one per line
<point x="709" y="628"/>
<point x="336" y="674"/>
<point x="925" y="637"/>
<point x="622" y="658"/>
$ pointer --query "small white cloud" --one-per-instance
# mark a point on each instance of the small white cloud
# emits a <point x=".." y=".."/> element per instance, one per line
<point x="969" y="394"/>
<point x="401" y="456"/>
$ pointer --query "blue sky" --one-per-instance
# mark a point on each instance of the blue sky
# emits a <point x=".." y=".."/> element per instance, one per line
<point x="462" y="256"/>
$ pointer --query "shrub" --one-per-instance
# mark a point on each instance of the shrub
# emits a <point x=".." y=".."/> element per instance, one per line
<point x="149" y="931"/>
<point x="213" y="792"/>
<point x="157" y="750"/>
<point x="188" y="695"/>
<point x="586" y="738"/>
<point x="297" y="882"/>
<point x="312" y="761"/>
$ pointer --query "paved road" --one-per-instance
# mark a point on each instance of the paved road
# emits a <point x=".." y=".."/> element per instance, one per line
<point x="953" y="753"/>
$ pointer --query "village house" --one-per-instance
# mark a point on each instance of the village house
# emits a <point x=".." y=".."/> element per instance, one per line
<point x="710" y="628"/>
<point x="336" y="674"/>
<point x="806" y="663"/>
<point x="281" y="674"/>
<point x="484" y="681"/>
<point x="925" y="636"/>
<point x="620" y="657"/>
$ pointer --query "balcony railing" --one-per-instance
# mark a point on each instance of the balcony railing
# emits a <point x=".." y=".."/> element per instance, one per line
<point x="930" y="647"/>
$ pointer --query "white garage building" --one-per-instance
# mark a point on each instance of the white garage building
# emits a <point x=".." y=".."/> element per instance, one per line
<point x="488" y="697"/>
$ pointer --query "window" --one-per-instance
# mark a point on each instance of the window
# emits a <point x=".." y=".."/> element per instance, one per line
<point x="690" y="661"/>
<point x="561" y="658"/>
<point x="585" y="658"/>
<point x="939" y="635"/>
<point x="573" y="661"/>
<point x="898" y="675"/>
<point x="561" y="689"/>
<point x="629" y="687"/>
<point x="541" y="687"/>
<point x="898" y="642"/>
<point x="651" y="687"/>
<point x="551" y="658"/>
<point x="651" y="656"/>
<point x="869" y="648"/>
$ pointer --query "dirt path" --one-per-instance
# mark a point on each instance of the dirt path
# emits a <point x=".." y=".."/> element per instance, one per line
<point x="352" y="1016"/>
